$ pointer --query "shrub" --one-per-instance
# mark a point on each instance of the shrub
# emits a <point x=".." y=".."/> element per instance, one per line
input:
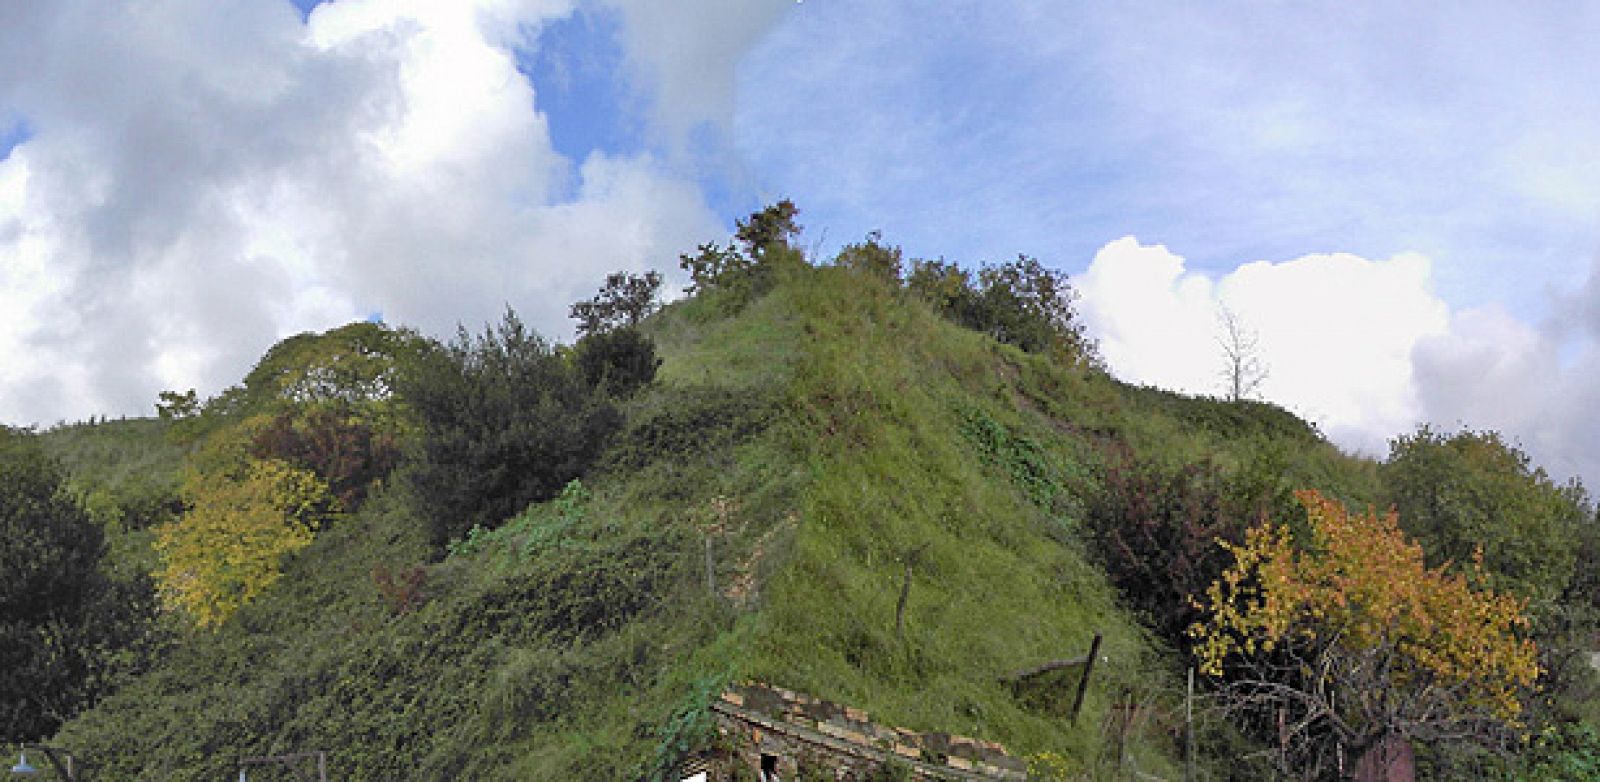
<point x="60" y="618"/>
<point x="342" y="447"/>
<point x="617" y="362"/>
<point x="872" y="258"/>
<point x="504" y="422"/>
<point x="403" y="590"/>
<point x="1020" y="303"/>
<point x="1157" y="530"/>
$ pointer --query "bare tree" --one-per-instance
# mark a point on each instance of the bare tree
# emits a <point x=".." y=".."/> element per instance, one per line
<point x="1243" y="371"/>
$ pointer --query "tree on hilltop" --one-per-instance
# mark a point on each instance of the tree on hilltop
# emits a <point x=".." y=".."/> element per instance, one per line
<point x="1243" y="370"/>
<point x="770" y="229"/>
<point x="623" y="301"/>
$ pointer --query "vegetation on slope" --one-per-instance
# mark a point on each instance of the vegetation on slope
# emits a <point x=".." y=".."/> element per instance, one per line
<point x="905" y="489"/>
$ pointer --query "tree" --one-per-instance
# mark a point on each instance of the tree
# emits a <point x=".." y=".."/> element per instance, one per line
<point x="622" y="302"/>
<point x="768" y="230"/>
<point x="504" y="420"/>
<point x="872" y="257"/>
<point x="175" y="406"/>
<point x="1470" y="490"/>
<point x="1030" y="306"/>
<point x="336" y="441"/>
<point x="750" y="268"/>
<point x="54" y="602"/>
<point x="358" y="364"/>
<point x="230" y="546"/>
<point x="1020" y="303"/>
<point x="712" y="265"/>
<point x="1243" y="371"/>
<point x="1348" y="642"/>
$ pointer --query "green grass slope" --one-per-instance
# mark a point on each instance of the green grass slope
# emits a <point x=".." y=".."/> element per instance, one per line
<point x="811" y="439"/>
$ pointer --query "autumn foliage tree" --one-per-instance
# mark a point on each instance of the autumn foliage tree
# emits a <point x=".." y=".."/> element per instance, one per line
<point x="229" y="547"/>
<point x="340" y="443"/>
<point x="1348" y="641"/>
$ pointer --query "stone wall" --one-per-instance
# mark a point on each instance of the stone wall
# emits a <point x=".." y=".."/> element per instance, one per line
<point x="771" y="728"/>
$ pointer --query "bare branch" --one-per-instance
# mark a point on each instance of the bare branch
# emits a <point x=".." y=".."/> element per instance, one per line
<point x="1243" y="370"/>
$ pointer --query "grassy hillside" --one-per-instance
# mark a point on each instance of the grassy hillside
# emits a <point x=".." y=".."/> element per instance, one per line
<point x="818" y="437"/>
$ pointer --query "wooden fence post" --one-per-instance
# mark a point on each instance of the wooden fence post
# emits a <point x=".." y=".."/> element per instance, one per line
<point x="1083" y="683"/>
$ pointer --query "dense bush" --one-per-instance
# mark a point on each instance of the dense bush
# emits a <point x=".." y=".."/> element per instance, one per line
<point x="617" y="362"/>
<point x="504" y="421"/>
<point x="61" y="620"/>
<point x="1020" y="303"/>
<point x="1156" y="529"/>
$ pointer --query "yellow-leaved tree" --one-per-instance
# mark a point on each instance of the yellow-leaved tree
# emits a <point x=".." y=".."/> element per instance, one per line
<point x="1344" y="645"/>
<point x="230" y="545"/>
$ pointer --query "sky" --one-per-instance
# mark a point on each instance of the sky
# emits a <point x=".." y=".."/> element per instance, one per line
<point x="1401" y="203"/>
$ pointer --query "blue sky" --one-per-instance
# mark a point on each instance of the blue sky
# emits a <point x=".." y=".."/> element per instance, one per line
<point x="13" y="131"/>
<point x="1409" y="195"/>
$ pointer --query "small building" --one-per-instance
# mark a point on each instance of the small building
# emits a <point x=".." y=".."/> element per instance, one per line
<point x="773" y="733"/>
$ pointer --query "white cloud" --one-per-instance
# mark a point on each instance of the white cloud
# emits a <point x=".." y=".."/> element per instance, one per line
<point x="688" y="57"/>
<point x="1492" y="371"/>
<point x="1364" y="348"/>
<point x="1335" y="331"/>
<point x="208" y="177"/>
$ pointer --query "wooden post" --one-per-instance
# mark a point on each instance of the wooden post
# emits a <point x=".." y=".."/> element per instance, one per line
<point x="290" y="762"/>
<point x="1124" y="721"/>
<point x="1188" y="730"/>
<point x="905" y="592"/>
<point x="1083" y="683"/>
<point x="711" y="569"/>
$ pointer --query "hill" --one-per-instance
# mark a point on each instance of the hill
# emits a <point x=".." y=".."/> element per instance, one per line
<point x="829" y="486"/>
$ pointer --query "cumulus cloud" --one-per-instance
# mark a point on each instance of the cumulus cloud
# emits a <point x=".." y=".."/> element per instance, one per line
<point x="205" y="178"/>
<point x="1336" y="332"/>
<point x="1536" y="384"/>
<point x="1364" y="348"/>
